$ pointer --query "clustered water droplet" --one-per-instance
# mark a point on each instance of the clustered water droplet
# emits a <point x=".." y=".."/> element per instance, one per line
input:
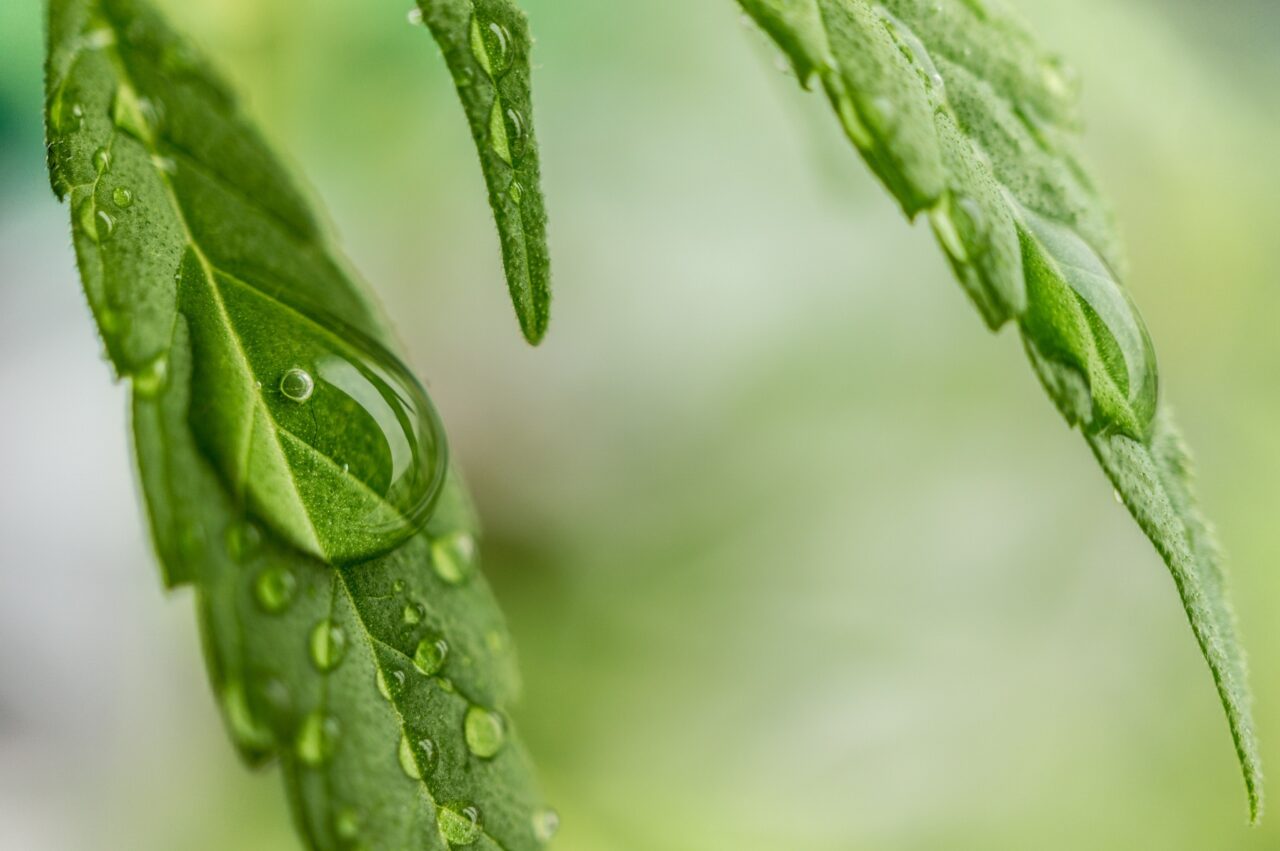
<point x="459" y="824"/>
<point x="485" y="732"/>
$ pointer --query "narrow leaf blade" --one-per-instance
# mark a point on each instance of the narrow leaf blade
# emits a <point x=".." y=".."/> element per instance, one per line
<point x="963" y="116"/>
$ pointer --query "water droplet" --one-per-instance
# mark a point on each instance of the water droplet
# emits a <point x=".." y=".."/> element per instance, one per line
<point x="1112" y="348"/>
<point x="244" y="540"/>
<point x="362" y="441"/>
<point x="102" y="160"/>
<point x="485" y="732"/>
<point x="135" y="116"/>
<point x="347" y="823"/>
<point x="491" y="44"/>
<point x="1118" y="498"/>
<point x="274" y="589"/>
<point x="414" y="17"/>
<point x="430" y="655"/>
<point x="166" y="165"/>
<point x="516" y="191"/>
<point x="328" y="645"/>
<point x="105" y="225"/>
<point x="390" y="685"/>
<point x="546" y="823"/>
<point x="87" y="218"/>
<point x="317" y="739"/>
<point x="122" y="197"/>
<point x="913" y="48"/>
<point x="398" y="586"/>
<point x="459" y="824"/>
<point x="516" y="132"/>
<point x="413" y="613"/>
<point x="246" y="728"/>
<point x="99" y="38"/>
<point x="417" y="758"/>
<point x="297" y="384"/>
<point x="150" y="379"/>
<point x="453" y="557"/>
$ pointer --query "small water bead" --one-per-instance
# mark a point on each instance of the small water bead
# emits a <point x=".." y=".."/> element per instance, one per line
<point x="297" y="385"/>
<point x="417" y="759"/>
<point x="414" y="17"/>
<point x="491" y="45"/>
<point x="317" y="739"/>
<point x="105" y="225"/>
<point x="517" y="132"/>
<point x="151" y="377"/>
<point x="102" y="160"/>
<point x="122" y="197"/>
<point x="516" y="191"/>
<point x="347" y="823"/>
<point x="546" y="824"/>
<point x="430" y="655"/>
<point x="453" y="557"/>
<point x="485" y="732"/>
<point x="275" y="589"/>
<point x="328" y="645"/>
<point x="390" y="685"/>
<point x="87" y="218"/>
<point x="459" y="824"/>
<point x="413" y="613"/>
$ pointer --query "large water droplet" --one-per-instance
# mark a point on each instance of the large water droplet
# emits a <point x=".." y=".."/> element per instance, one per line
<point x="297" y="385"/>
<point x="453" y="557"/>
<point x="546" y="823"/>
<point x="102" y="160"/>
<point x="328" y="645"/>
<point x="352" y="454"/>
<point x="485" y="732"/>
<point x="1117" y="357"/>
<point x="491" y="44"/>
<point x="122" y="197"/>
<point x="390" y="684"/>
<point x="317" y="738"/>
<point x="459" y="823"/>
<point x="430" y="655"/>
<point x="274" y="589"/>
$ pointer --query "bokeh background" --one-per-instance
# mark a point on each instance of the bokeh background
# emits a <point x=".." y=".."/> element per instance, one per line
<point x="796" y="555"/>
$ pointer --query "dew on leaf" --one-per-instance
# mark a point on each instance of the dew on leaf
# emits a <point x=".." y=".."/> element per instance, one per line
<point x="389" y="684"/>
<point x="317" y="739"/>
<point x="244" y="725"/>
<point x="328" y="644"/>
<point x="459" y="824"/>
<point x="414" y="17"/>
<point x="485" y="732"/>
<point x="491" y="44"/>
<point x="102" y="160"/>
<point x="150" y="378"/>
<point x="516" y="191"/>
<point x="122" y="197"/>
<point x="413" y="613"/>
<point x="274" y="589"/>
<point x="417" y="759"/>
<point x="135" y="116"/>
<point x="244" y="540"/>
<point x="430" y="654"/>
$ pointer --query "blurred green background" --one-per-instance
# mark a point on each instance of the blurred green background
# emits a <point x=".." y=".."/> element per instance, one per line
<point x="796" y="555"/>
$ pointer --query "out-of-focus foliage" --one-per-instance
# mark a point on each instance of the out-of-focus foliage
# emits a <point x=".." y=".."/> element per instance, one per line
<point x="889" y="615"/>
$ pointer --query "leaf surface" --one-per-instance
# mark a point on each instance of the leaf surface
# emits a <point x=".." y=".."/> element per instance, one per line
<point x="963" y="116"/>
<point x="380" y="685"/>
<point x="487" y="47"/>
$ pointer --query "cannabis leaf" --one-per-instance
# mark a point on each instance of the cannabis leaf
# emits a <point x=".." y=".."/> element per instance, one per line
<point x="294" y="470"/>
<point x="486" y="45"/>
<point x="962" y="115"/>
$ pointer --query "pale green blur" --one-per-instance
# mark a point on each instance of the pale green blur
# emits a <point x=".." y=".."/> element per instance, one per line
<point x="796" y="554"/>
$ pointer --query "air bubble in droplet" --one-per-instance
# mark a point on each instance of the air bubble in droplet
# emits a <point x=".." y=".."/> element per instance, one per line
<point x="430" y="654"/>
<point x="328" y="645"/>
<point x="317" y="739"/>
<point x="297" y="385"/>
<point x="274" y="589"/>
<point x="485" y="732"/>
<point x="459" y="824"/>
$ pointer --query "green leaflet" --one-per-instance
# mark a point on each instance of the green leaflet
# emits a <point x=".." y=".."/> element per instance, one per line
<point x="962" y="115"/>
<point x="213" y="286"/>
<point x="486" y="44"/>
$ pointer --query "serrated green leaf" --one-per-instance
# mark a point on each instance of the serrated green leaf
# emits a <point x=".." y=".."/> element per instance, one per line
<point x="210" y="280"/>
<point x="487" y="46"/>
<point x="962" y="115"/>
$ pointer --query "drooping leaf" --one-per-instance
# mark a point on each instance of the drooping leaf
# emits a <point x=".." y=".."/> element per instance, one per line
<point x="963" y="116"/>
<point x="487" y="46"/>
<point x="293" y="468"/>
